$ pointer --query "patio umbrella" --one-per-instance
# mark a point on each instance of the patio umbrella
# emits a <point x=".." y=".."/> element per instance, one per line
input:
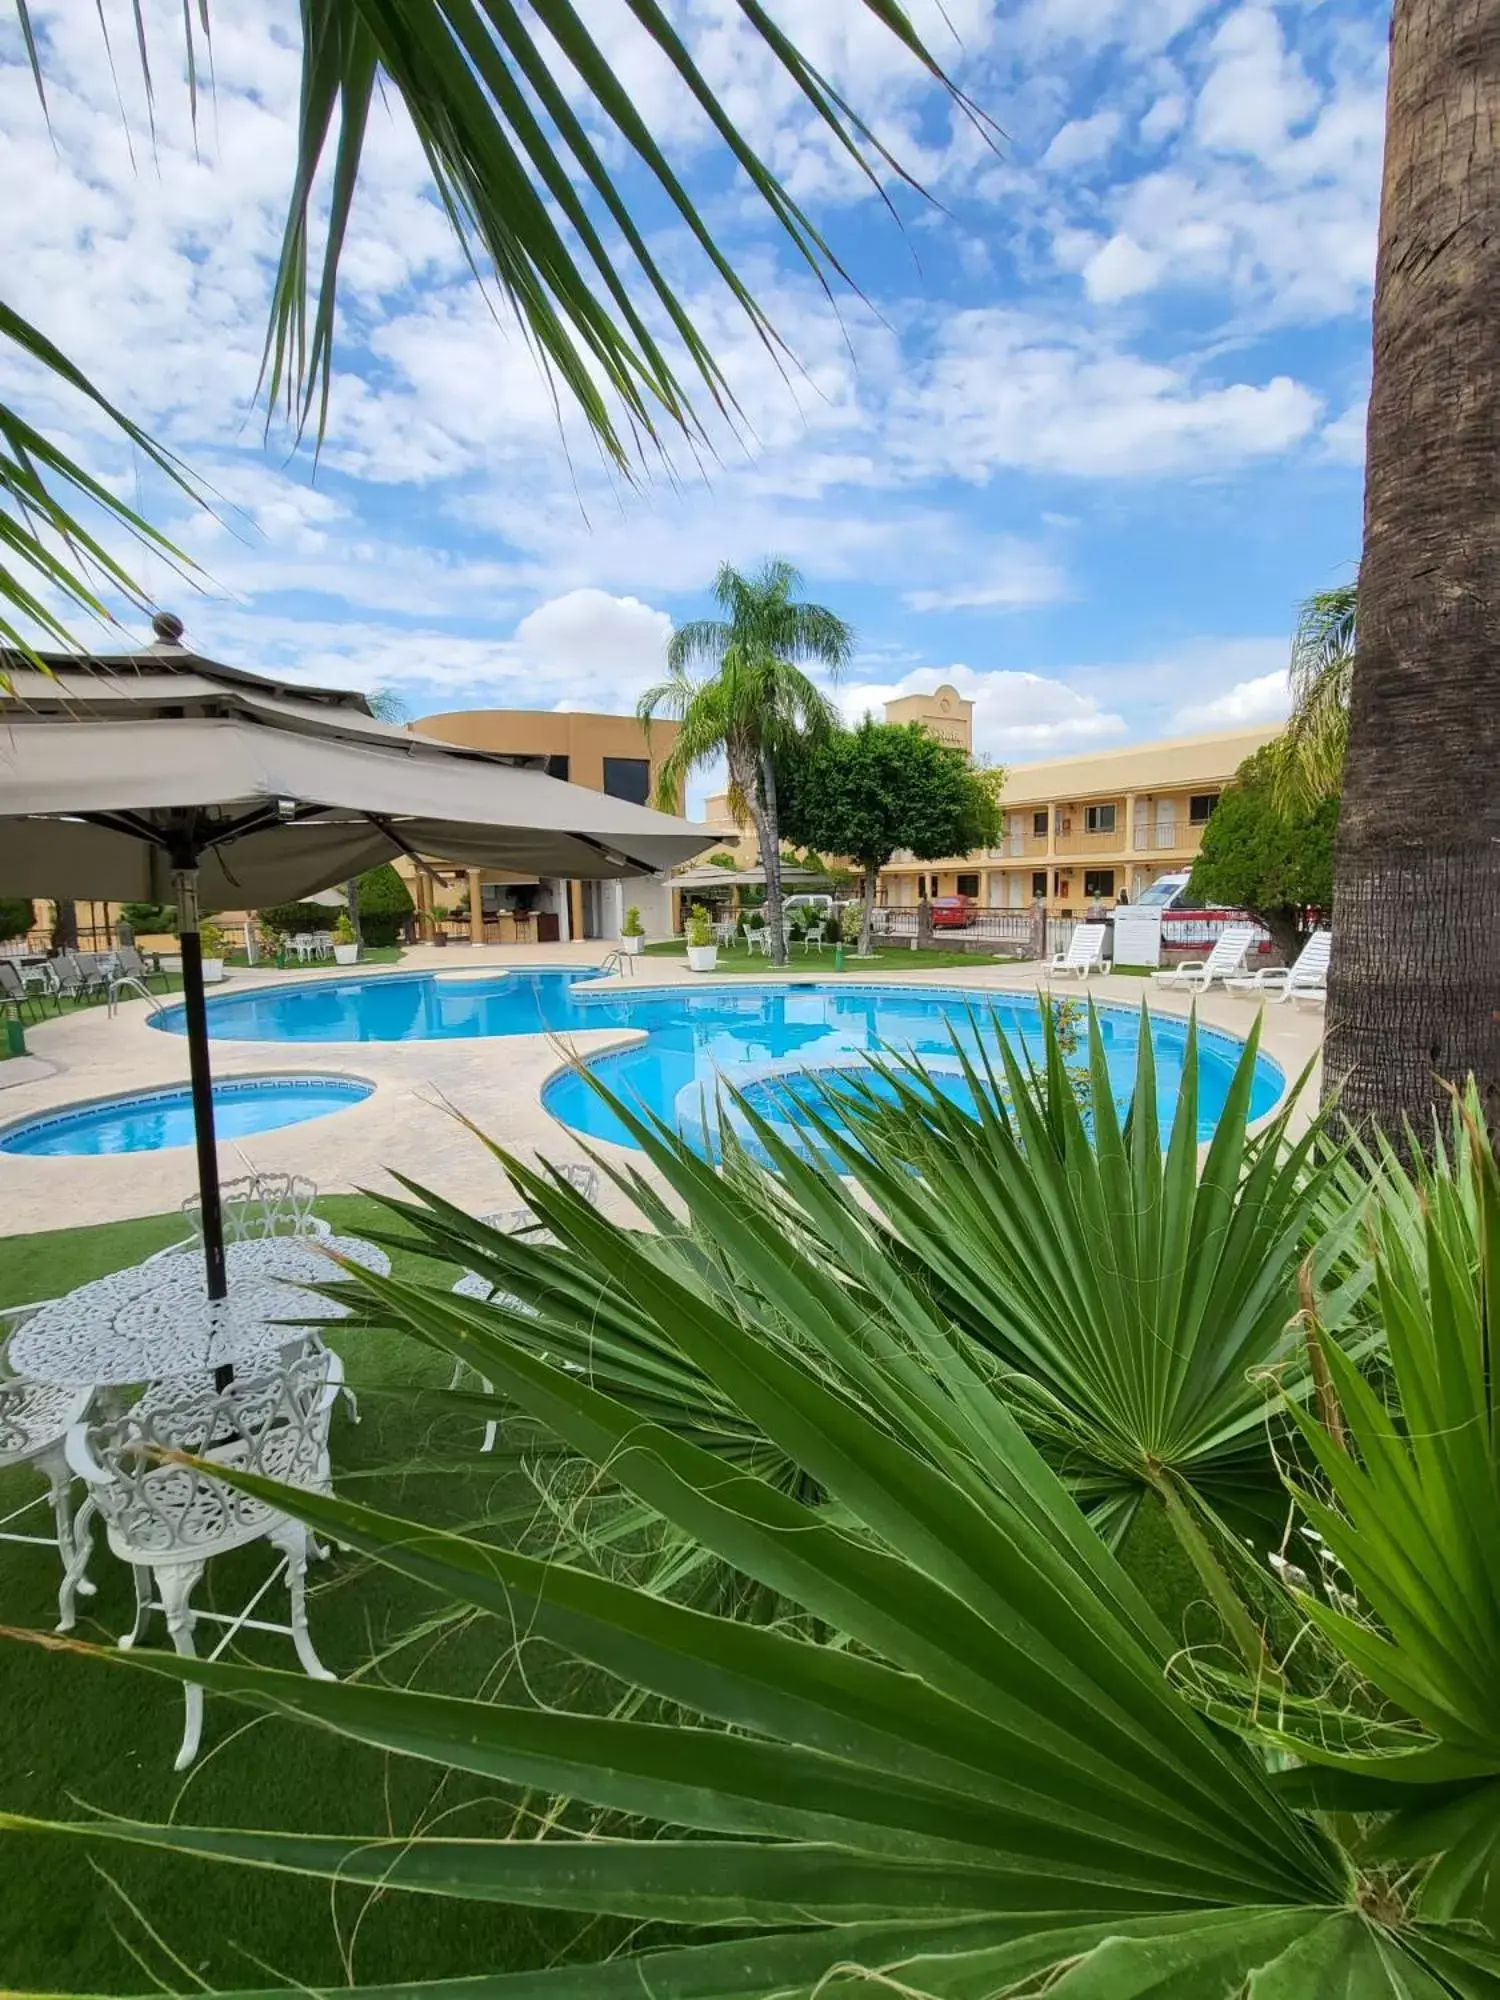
<point x="161" y="775"/>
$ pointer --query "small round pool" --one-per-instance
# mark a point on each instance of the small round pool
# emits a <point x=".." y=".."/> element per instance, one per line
<point x="148" y="1121"/>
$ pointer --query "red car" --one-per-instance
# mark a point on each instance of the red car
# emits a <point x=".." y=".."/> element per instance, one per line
<point x="953" y="913"/>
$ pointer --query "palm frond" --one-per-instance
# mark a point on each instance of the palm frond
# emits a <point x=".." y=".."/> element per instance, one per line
<point x="1310" y="752"/>
<point x="993" y="1787"/>
<point x="45" y="545"/>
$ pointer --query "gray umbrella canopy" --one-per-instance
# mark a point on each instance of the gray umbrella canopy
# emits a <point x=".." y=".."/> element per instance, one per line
<point x="162" y="776"/>
<point x="117" y="769"/>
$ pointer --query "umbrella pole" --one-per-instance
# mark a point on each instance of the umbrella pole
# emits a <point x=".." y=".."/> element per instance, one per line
<point x="195" y="1010"/>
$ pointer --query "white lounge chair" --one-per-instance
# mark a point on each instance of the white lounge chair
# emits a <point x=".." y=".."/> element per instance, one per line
<point x="1228" y="956"/>
<point x="1085" y="952"/>
<point x="1307" y="979"/>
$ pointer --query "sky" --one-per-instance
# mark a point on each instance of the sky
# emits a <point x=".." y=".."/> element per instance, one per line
<point x="1083" y="427"/>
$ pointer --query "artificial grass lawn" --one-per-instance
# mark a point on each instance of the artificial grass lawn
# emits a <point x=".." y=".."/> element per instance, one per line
<point x="820" y="963"/>
<point x="79" y="1735"/>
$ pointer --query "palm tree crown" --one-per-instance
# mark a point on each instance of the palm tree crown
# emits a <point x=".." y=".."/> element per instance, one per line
<point x="1310" y="758"/>
<point x="757" y="699"/>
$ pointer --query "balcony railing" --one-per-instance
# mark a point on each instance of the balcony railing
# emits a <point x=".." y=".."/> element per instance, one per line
<point x="1173" y="836"/>
<point x="1019" y="844"/>
<point x="1083" y="840"/>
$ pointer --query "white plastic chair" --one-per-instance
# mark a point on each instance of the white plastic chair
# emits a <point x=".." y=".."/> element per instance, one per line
<point x="167" y="1520"/>
<point x="35" y="1418"/>
<point x="1085" y="952"/>
<point x="1228" y="955"/>
<point x="1307" y="979"/>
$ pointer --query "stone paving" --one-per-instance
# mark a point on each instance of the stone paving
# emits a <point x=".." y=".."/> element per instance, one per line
<point x="408" y="1120"/>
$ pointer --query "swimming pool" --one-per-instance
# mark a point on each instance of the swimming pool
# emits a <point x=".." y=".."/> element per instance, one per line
<point x="746" y="1033"/>
<point x="148" y="1120"/>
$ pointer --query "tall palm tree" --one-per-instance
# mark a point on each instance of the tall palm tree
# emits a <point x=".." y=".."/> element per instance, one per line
<point x="756" y="701"/>
<point x="1310" y="755"/>
<point x="1415" y="985"/>
<point x="520" y="179"/>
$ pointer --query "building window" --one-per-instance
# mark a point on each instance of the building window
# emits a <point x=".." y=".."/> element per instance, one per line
<point x="1039" y="884"/>
<point x="1098" y="883"/>
<point x="1099" y="819"/>
<point x="557" y="767"/>
<point x="967" y="885"/>
<point x="628" y="778"/>
<point x="1039" y="826"/>
<point x="1201" y="808"/>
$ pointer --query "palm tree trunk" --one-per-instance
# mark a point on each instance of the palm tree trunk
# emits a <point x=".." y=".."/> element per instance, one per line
<point x="351" y="898"/>
<point x="867" y="914"/>
<point x="768" y="830"/>
<point x="64" y="925"/>
<point x="1415" y="991"/>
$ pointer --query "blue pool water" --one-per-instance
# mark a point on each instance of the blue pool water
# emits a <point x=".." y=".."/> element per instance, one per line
<point x="749" y="1034"/>
<point x="149" y="1120"/>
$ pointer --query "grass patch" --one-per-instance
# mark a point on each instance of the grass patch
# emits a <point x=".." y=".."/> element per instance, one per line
<point x="898" y="959"/>
<point x="80" y="1736"/>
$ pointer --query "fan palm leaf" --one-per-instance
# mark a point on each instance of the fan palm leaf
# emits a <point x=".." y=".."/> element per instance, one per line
<point x="1403" y="1496"/>
<point x="994" y="1788"/>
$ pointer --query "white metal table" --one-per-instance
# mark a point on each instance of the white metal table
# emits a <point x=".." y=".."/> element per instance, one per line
<point x="155" y="1319"/>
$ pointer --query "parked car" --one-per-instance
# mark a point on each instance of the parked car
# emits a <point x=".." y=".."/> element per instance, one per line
<point x="953" y="913"/>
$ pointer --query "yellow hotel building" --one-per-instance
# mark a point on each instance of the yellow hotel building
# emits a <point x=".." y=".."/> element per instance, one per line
<point x="1080" y="830"/>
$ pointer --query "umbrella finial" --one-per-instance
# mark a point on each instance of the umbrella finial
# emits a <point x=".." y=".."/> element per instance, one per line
<point x="168" y="628"/>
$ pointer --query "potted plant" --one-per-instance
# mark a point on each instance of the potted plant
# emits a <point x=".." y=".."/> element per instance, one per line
<point x="439" y="918"/>
<point x="632" y="933"/>
<point x="345" y="943"/>
<point x="211" y="944"/>
<point x="702" y="952"/>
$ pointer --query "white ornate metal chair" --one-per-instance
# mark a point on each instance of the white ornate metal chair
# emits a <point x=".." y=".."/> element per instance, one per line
<point x="35" y="1418"/>
<point x="167" y="1519"/>
<point x="258" y="1205"/>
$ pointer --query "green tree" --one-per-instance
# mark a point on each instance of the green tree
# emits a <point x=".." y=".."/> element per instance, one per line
<point x="868" y="791"/>
<point x="1259" y="855"/>
<point x="1310" y="752"/>
<point x="384" y="905"/>
<point x="519" y="164"/>
<point x="756" y="703"/>
<point x="17" y="917"/>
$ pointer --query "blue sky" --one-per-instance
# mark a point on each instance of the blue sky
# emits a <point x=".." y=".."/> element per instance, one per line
<point x="1093" y="427"/>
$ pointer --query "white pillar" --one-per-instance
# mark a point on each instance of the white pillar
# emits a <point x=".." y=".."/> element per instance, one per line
<point x="564" y="913"/>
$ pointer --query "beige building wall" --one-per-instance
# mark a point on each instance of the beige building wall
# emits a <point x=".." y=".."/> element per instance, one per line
<point x="604" y="753"/>
<point x="1081" y="830"/>
<point x="944" y="713"/>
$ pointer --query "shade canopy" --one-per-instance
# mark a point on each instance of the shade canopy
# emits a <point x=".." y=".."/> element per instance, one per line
<point x="111" y="772"/>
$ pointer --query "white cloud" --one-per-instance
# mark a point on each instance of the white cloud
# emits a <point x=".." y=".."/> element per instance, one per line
<point x="1166" y="117"/>
<point x="1120" y="269"/>
<point x="1083" y="141"/>
<point x="1016" y="715"/>
<point x="1344" y="438"/>
<point x="1264" y="699"/>
<point x="1256" y="90"/>
<point x="1003" y="390"/>
<point x="1017" y="574"/>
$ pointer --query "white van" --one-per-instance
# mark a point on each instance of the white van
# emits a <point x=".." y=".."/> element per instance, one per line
<point x="1167" y="892"/>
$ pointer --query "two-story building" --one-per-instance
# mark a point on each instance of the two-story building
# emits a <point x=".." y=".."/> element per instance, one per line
<point x="607" y="753"/>
<point x="1087" y="829"/>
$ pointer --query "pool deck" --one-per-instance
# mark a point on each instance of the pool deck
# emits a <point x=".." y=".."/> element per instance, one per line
<point x="408" y="1121"/>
